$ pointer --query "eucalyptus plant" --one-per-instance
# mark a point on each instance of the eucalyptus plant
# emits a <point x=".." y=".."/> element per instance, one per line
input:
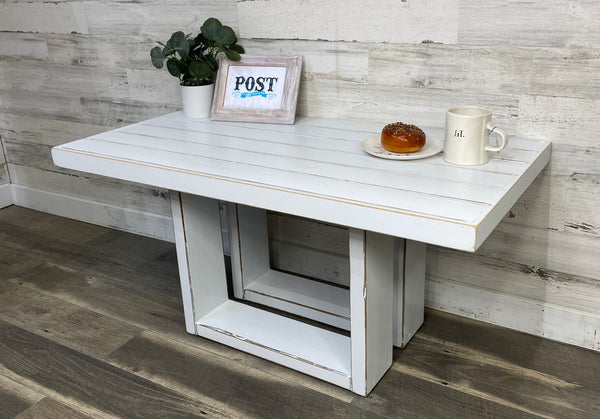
<point x="194" y="60"/>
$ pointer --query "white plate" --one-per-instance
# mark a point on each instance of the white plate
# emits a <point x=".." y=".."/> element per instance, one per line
<point x="372" y="145"/>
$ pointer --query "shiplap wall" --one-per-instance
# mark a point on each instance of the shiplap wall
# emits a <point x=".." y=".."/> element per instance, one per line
<point x="69" y="69"/>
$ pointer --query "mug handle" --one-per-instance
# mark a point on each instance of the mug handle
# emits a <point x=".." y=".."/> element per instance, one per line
<point x="494" y="130"/>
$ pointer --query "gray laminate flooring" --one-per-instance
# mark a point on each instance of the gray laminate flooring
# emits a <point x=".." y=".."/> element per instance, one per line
<point x="91" y="326"/>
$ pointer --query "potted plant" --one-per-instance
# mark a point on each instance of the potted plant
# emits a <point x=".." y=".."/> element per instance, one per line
<point x="194" y="62"/>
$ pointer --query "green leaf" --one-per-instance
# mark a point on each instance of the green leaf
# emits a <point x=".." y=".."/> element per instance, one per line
<point x="232" y="55"/>
<point x="201" y="70"/>
<point x="157" y="57"/>
<point x="211" y="28"/>
<point x="237" y="48"/>
<point x="226" y="36"/>
<point x="211" y="61"/>
<point x="177" y="43"/>
<point x="192" y="44"/>
<point x="174" y="67"/>
<point x="200" y="40"/>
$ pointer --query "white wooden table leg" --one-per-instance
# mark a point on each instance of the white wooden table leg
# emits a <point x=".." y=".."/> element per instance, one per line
<point x="371" y="307"/>
<point x="254" y="280"/>
<point x="248" y="236"/>
<point x="409" y="289"/>
<point x="374" y="269"/>
<point x="199" y="244"/>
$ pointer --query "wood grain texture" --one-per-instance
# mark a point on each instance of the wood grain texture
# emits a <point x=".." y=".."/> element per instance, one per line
<point x="535" y="66"/>
<point x="24" y="45"/>
<point x="557" y="23"/>
<point x="49" y="17"/>
<point x="316" y="250"/>
<point x="379" y="21"/>
<point x="11" y="405"/>
<point x="453" y="368"/>
<point x="209" y="378"/>
<point x="528" y="315"/>
<point x="80" y="376"/>
<point x="530" y="71"/>
<point x="96" y="256"/>
<point x="336" y="60"/>
<point x="48" y="408"/>
<point x="69" y="325"/>
<point x="110" y="17"/>
<point x="4" y="177"/>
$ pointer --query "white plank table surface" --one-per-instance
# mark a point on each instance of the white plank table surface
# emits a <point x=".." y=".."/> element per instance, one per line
<point x="315" y="169"/>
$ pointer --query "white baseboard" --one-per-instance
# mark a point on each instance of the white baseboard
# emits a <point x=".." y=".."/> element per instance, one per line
<point x="518" y="313"/>
<point x="133" y="221"/>
<point x="5" y="195"/>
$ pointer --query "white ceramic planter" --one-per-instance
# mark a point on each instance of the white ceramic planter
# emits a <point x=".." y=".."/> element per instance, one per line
<point x="197" y="100"/>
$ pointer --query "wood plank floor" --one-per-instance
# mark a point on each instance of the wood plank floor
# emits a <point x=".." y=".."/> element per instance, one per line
<point x="91" y="326"/>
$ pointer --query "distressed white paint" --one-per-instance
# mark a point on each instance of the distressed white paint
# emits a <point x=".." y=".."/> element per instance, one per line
<point x="317" y="263"/>
<point x="339" y="60"/>
<point x="375" y="302"/>
<point x="350" y="20"/>
<point x="200" y="255"/>
<point x="338" y="98"/>
<point x="509" y="70"/>
<point x="43" y="131"/>
<point x="23" y="45"/>
<point x="371" y="307"/>
<point x="255" y="280"/>
<point x="252" y="243"/>
<point x="567" y="120"/>
<point x="553" y="22"/>
<point x="156" y="17"/>
<point x="537" y="282"/>
<point x="409" y="289"/>
<point x="452" y="206"/>
<point x="312" y="350"/>
<point x="303" y="297"/>
<point x="58" y="80"/>
<point x="43" y="17"/>
<point x="182" y="261"/>
<point x="293" y="169"/>
<point x="123" y="18"/>
<point x="356" y="363"/>
<point x="527" y="244"/>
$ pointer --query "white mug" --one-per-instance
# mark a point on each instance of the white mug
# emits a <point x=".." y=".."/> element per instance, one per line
<point x="467" y="136"/>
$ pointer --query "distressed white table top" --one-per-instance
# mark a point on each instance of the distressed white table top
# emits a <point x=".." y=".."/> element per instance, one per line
<point x="317" y="169"/>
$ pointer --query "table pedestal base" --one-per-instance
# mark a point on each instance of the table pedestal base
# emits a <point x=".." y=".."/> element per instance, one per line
<point x="383" y="307"/>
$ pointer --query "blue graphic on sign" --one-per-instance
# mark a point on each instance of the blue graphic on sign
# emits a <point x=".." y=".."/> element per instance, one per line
<point x="250" y="94"/>
<point x="245" y="95"/>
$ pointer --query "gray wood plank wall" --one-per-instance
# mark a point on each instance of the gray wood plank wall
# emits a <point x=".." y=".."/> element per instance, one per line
<point x="4" y="179"/>
<point x="69" y="69"/>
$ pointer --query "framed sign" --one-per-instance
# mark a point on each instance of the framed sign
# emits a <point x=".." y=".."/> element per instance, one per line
<point x="257" y="89"/>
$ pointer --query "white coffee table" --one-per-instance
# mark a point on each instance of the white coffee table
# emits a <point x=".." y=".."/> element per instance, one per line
<point x="315" y="169"/>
